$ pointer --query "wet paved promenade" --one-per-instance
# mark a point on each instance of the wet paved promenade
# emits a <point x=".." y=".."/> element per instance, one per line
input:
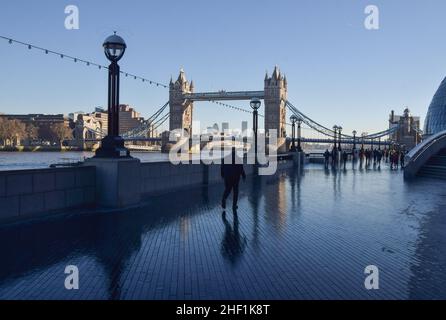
<point x="307" y="237"/>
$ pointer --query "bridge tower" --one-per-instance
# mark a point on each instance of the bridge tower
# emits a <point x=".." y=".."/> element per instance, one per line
<point x="276" y="90"/>
<point x="180" y="109"/>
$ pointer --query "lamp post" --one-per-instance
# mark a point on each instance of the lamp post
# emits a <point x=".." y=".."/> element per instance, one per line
<point x="335" y="136"/>
<point x="363" y="136"/>
<point x="112" y="146"/>
<point x="255" y="105"/>
<point x="293" y="120"/>
<point x="340" y="137"/>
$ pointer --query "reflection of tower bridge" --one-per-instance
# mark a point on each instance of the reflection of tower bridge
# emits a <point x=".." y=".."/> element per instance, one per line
<point x="179" y="111"/>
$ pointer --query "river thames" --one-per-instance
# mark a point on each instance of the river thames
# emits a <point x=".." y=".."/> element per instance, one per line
<point x="38" y="160"/>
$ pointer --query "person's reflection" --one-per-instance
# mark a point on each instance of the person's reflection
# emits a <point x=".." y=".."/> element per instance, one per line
<point x="233" y="244"/>
<point x="254" y="199"/>
<point x="327" y="171"/>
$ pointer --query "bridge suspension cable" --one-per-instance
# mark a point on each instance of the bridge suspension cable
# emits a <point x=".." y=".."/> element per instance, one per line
<point x="161" y="121"/>
<point x="158" y="112"/>
<point x="311" y="123"/>
<point x="328" y="132"/>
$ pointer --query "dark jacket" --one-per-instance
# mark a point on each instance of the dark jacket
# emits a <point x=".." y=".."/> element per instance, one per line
<point x="232" y="171"/>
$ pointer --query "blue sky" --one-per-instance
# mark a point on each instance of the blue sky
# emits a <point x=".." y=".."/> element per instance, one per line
<point x="338" y="72"/>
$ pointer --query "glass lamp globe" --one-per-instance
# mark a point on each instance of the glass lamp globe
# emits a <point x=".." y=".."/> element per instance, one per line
<point x="114" y="47"/>
<point x="255" y="104"/>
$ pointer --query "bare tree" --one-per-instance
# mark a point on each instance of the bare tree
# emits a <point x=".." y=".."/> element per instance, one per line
<point x="61" y="132"/>
<point x="11" y="131"/>
<point x="3" y="130"/>
<point x="31" y="131"/>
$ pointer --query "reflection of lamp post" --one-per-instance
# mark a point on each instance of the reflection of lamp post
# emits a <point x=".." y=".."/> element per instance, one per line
<point x="340" y="137"/>
<point x="112" y="146"/>
<point x="293" y="120"/>
<point x="255" y="105"/>
<point x="335" y="136"/>
<point x="354" y="140"/>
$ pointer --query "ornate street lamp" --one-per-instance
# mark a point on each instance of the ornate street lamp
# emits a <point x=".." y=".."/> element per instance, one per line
<point x="293" y="120"/>
<point x="354" y="139"/>
<point x="335" y="136"/>
<point x="255" y="105"/>
<point x="112" y="146"/>
<point x="340" y="138"/>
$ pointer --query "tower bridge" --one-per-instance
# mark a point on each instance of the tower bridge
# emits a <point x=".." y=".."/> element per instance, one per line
<point x="182" y="98"/>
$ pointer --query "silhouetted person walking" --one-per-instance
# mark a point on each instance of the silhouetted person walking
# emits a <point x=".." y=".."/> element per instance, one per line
<point x="344" y="158"/>
<point x="402" y="159"/>
<point x="327" y="157"/>
<point x="231" y="174"/>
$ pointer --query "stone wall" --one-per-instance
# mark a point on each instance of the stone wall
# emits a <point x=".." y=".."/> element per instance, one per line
<point x="29" y="193"/>
<point x="33" y="193"/>
<point x="163" y="177"/>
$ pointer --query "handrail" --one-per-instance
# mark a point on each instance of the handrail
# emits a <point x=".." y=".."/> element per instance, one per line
<point x="416" y="152"/>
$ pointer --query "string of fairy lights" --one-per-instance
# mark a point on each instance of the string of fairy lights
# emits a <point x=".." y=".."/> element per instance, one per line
<point x="100" y="67"/>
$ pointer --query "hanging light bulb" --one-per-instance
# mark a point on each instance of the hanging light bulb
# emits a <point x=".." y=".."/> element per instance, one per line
<point x="10" y="41"/>
<point x="29" y="47"/>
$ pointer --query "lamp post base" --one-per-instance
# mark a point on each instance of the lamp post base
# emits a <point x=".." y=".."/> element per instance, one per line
<point x="112" y="147"/>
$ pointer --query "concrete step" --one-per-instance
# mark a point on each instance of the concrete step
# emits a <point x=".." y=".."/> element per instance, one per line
<point x="433" y="171"/>
<point x="434" y="167"/>
<point x="432" y="175"/>
<point x="436" y="163"/>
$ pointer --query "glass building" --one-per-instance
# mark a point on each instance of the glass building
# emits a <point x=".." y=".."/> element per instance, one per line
<point x="436" y="115"/>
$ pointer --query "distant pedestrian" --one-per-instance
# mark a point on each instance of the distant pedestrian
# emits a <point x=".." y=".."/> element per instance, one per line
<point x="367" y="157"/>
<point x="402" y="159"/>
<point x="379" y="157"/>
<point x="326" y="157"/>
<point x="344" y="158"/>
<point x="231" y="174"/>
<point x="395" y="159"/>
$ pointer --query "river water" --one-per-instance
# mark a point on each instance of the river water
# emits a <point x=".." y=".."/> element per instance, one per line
<point x="36" y="160"/>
